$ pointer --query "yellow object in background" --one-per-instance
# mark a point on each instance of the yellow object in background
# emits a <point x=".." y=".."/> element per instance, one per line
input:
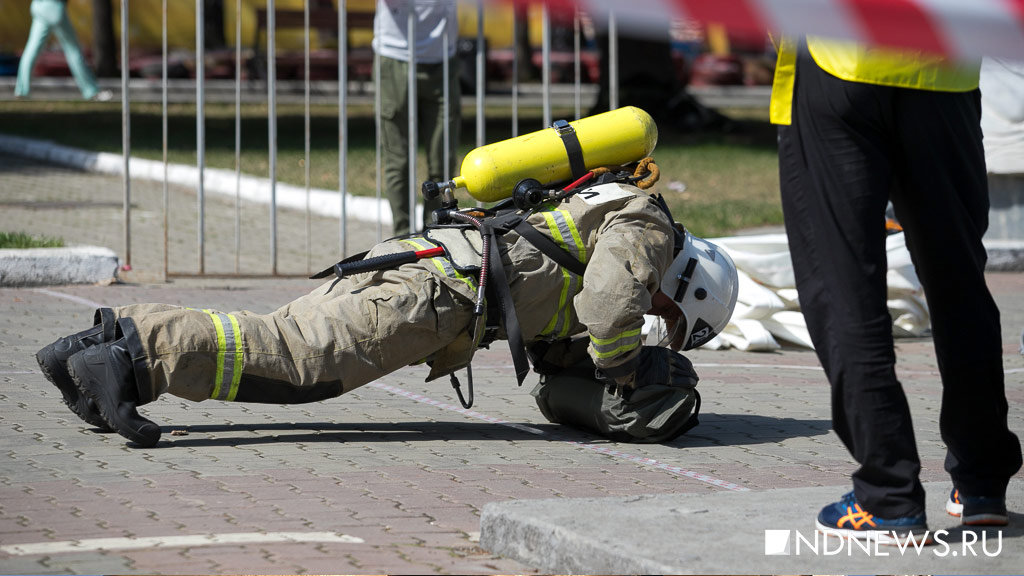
<point x="146" y="24"/>
<point x="490" y="173"/>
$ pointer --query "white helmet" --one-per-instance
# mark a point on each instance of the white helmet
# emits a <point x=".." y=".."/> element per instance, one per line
<point x="702" y="281"/>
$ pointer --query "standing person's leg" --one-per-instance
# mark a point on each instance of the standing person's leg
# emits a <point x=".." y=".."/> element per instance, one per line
<point x="835" y="176"/>
<point x="36" y="40"/>
<point x="394" y="98"/>
<point x="942" y="203"/>
<point x="79" y="68"/>
<point x="432" y="106"/>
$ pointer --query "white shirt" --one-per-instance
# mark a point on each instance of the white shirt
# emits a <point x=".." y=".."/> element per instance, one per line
<point x="390" y="25"/>
<point x="1002" y="116"/>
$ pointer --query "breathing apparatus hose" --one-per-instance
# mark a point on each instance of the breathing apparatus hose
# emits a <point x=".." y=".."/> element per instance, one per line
<point x="644" y="175"/>
<point x="478" y="309"/>
<point x="485" y="258"/>
<point x="650" y="171"/>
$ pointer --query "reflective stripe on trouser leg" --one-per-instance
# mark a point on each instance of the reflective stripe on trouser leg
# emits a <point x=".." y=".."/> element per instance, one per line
<point x="342" y="335"/>
<point x="229" y="356"/>
<point x="228" y="341"/>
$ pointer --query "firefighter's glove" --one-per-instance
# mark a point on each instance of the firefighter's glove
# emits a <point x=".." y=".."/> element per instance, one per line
<point x="549" y="358"/>
<point x="618" y="378"/>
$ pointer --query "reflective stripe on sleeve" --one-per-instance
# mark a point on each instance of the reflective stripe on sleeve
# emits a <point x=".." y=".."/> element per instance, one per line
<point x="619" y="344"/>
<point x="229" y="356"/>
<point x="564" y="232"/>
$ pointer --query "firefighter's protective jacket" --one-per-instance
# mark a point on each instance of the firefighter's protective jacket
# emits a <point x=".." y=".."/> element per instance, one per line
<point x="351" y="331"/>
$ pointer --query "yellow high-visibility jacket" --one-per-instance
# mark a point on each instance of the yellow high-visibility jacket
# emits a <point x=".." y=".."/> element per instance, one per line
<point x="855" y="62"/>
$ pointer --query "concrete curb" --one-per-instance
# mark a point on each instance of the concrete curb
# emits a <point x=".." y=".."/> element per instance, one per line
<point x="724" y="533"/>
<point x="1005" y="255"/>
<point x="54" y="266"/>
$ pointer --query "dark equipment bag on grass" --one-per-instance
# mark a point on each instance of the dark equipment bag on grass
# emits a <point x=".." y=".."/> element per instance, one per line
<point x="664" y="404"/>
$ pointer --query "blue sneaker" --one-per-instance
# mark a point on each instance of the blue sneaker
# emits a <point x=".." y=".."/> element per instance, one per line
<point x="977" y="510"/>
<point x="848" y="520"/>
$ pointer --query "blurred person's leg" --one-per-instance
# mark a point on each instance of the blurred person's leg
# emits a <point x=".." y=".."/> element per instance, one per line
<point x="431" y="109"/>
<point x="942" y="202"/>
<point x="37" y="35"/>
<point x="394" y="97"/>
<point x="835" y="173"/>
<point x="65" y="33"/>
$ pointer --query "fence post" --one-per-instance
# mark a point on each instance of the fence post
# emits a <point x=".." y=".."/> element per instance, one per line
<point x="343" y="121"/>
<point x="200" y="132"/>
<point x="272" y="129"/>
<point x="126" y="139"/>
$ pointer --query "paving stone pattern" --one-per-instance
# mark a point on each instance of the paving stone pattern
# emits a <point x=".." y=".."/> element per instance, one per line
<point x="394" y="463"/>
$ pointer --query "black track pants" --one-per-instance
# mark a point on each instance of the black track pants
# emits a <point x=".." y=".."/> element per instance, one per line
<point x="850" y="149"/>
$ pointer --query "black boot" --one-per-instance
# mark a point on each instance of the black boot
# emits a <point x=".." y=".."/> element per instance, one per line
<point x="53" y="360"/>
<point x="105" y="374"/>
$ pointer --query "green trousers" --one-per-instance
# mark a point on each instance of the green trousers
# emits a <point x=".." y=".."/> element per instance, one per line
<point x="430" y="108"/>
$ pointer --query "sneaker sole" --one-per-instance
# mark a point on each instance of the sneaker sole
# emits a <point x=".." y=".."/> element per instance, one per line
<point x="133" y="436"/>
<point x="44" y="358"/>
<point x="954" y="509"/>
<point x="985" y="520"/>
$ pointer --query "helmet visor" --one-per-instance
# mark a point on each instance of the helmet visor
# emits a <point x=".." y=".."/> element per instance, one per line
<point x="670" y="333"/>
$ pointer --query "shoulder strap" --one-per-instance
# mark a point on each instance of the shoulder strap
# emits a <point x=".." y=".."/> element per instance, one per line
<point x="549" y="248"/>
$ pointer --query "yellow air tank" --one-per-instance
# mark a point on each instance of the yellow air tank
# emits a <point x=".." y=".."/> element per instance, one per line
<point x="490" y="173"/>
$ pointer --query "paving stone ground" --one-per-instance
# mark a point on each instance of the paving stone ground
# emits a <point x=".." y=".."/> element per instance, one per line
<point x="395" y="466"/>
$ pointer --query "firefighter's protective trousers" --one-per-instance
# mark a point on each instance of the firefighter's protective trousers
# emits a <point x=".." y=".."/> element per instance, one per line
<point x="349" y="332"/>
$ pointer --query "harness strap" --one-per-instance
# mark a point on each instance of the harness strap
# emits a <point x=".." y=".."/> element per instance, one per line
<point x="572" y="147"/>
<point x="508" y="308"/>
<point x="549" y="248"/>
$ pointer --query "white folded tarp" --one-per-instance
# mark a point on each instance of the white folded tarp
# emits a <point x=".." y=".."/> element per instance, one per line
<point x="768" y="309"/>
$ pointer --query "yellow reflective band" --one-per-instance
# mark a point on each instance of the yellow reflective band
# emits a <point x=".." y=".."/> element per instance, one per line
<point x="617" y="351"/>
<point x="236" y="375"/>
<point x="221" y="349"/>
<point x="562" y="227"/>
<point x="576" y="238"/>
<point x="562" y="297"/>
<point x="442" y="263"/>
<point x="614" y="339"/>
<point x="418" y="246"/>
<point x="602" y="346"/>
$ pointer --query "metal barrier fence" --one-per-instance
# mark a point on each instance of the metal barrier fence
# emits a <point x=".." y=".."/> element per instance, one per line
<point x="343" y="134"/>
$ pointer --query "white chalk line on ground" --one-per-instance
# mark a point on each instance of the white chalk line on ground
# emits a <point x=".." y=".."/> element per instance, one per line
<point x="819" y="368"/>
<point x="71" y="297"/>
<point x="190" y="541"/>
<point x="737" y="366"/>
<point x="593" y="447"/>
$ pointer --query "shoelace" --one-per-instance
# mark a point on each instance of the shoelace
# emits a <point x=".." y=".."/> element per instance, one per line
<point x="858" y="518"/>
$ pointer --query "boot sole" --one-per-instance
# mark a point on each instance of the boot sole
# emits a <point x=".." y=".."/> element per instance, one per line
<point x="135" y="436"/>
<point x="44" y="358"/>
